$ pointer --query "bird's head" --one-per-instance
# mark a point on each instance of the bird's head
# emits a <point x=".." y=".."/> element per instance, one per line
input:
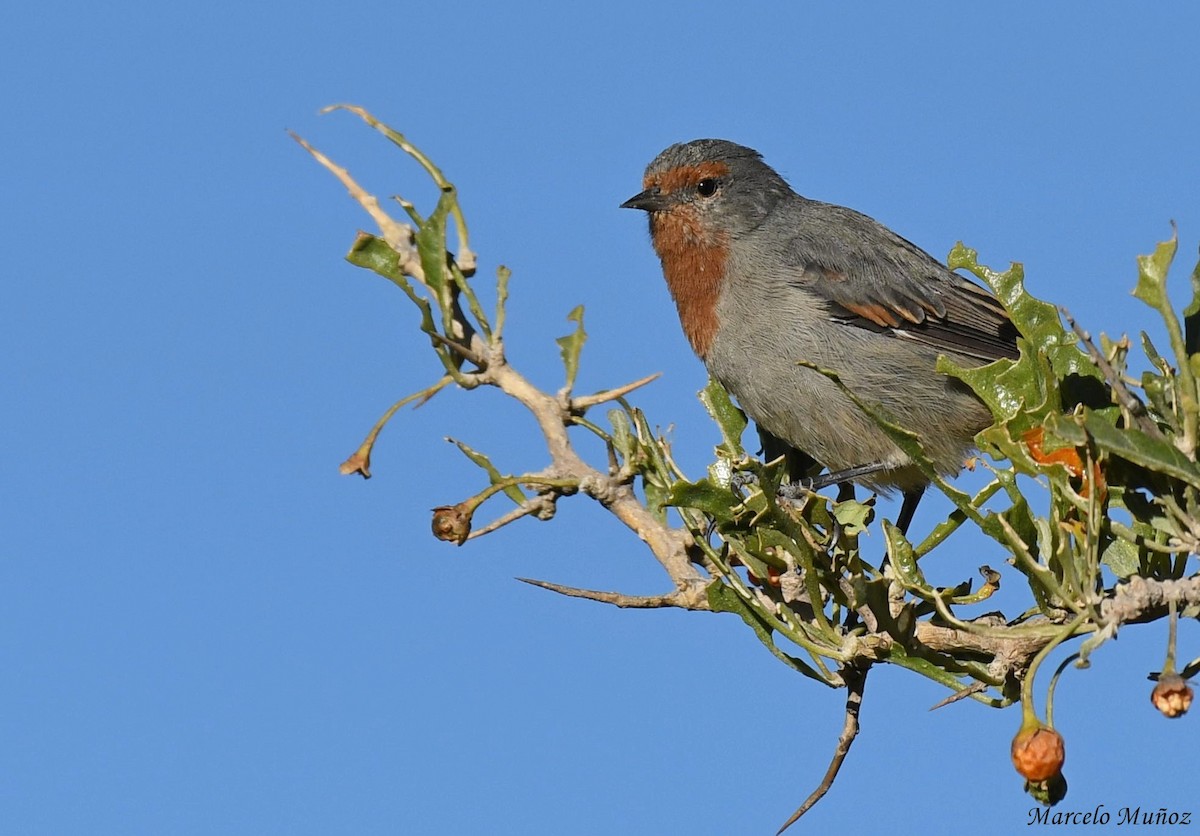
<point x="707" y="191"/>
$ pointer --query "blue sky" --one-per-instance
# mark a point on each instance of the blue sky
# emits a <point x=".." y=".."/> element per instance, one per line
<point x="204" y="629"/>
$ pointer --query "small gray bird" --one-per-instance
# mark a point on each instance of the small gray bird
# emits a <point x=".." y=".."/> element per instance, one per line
<point x="763" y="277"/>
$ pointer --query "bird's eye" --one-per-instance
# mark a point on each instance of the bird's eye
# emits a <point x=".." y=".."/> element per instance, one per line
<point x="706" y="187"/>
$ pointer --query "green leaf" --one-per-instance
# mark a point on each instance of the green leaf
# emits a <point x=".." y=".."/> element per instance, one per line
<point x="1122" y="557"/>
<point x="1053" y="374"/>
<point x="903" y="560"/>
<point x="622" y="435"/>
<point x="512" y="491"/>
<point x="753" y="562"/>
<point x="705" y="497"/>
<point x="648" y="443"/>
<point x="1137" y="447"/>
<point x="1022" y="521"/>
<point x="875" y="596"/>
<point x="1037" y="321"/>
<point x="1151" y="352"/>
<point x="465" y="290"/>
<point x="1017" y="393"/>
<point x="853" y="516"/>
<point x="771" y="547"/>
<point x="375" y="254"/>
<point x="898" y="656"/>
<point x="503" y="274"/>
<point x="572" y="344"/>
<point x="1152" y="274"/>
<point x="1151" y="288"/>
<point x="431" y="246"/>
<point x="1160" y="392"/>
<point x="730" y="420"/>
<point x="656" y="498"/>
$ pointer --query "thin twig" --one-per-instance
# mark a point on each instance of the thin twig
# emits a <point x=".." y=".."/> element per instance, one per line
<point x="856" y="680"/>
<point x="1054" y="684"/>
<point x="669" y="545"/>
<point x="588" y="401"/>
<point x="538" y="506"/>
<point x="399" y="236"/>
<point x="467" y="353"/>
<point x="688" y="598"/>
<point x="466" y="258"/>
<point x="360" y="462"/>
<point x="974" y="688"/>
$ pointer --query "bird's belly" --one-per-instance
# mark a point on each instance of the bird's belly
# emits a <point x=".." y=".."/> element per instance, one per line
<point x="803" y="407"/>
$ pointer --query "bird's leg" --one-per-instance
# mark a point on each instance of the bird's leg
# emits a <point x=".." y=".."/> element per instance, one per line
<point x="797" y="462"/>
<point x="842" y="478"/>
<point x="908" y="508"/>
<point x="816" y="483"/>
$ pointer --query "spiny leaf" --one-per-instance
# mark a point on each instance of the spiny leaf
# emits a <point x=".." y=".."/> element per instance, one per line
<point x="1042" y="334"/>
<point x="903" y="560"/>
<point x="1037" y="321"/>
<point x="1016" y="392"/>
<point x="717" y="502"/>
<point x="1122" y="557"/>
<point x="622" y="435"/>
<point x="512" y="491"/>
<point x="1137" y="447"/>
<point x="656" y="498"/>
<point x="854" y="517"/>
<point x="572" y="344"/>
<point x="503" y="274"/>
<point x="730" y="420"/>
<point x="431" y="244"/>
<point x="1152" y="274"/>
<point x="375" y="254"/>
<point x="1151" y="288"/>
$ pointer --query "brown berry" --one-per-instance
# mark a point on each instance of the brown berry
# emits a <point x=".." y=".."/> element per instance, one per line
<point x="1172" y="695"/>
<point x="1038" y="753"/>
<point x="452" y="523"/>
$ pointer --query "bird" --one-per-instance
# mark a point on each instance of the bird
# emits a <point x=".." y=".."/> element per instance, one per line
<point x="769" y="284"/>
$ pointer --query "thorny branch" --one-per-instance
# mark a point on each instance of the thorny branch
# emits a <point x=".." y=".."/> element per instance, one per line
<point x="793" y="571"/>
<point x="553" y="415"/>
<point x="856" y="681"/>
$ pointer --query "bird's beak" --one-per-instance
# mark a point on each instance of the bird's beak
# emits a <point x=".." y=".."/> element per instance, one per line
<point x="651" y="200"/>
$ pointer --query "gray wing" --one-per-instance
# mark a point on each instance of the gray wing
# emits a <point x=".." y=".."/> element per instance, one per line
<point x="872" y="278"/>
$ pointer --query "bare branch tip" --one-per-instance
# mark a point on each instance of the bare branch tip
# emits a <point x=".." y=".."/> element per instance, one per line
<point x="683" y="598"/>
<point x="588" y="401"/>
<point x="975" y="688"/>
<point x="856" y="679"/>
